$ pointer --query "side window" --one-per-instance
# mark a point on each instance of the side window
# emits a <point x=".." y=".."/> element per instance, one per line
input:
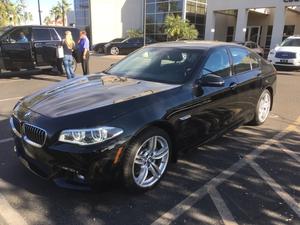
<point x="41" y="34"/>
<point x="241" y="60"/>
<point x="255" y="61"/>
<point x="19" y="35"/>
<point x="54" y="35"/>
<point x="217" y="63"/>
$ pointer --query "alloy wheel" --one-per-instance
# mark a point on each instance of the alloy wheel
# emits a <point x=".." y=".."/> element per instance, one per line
<point x="114" y="51"/>
<point x="151" y="161"/>
<point x="264" y="106"/>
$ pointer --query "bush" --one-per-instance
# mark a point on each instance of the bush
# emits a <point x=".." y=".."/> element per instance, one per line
<point x="177" y="29"/>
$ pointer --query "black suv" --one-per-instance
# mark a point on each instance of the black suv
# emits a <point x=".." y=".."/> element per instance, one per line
<point x="28" y="47"/>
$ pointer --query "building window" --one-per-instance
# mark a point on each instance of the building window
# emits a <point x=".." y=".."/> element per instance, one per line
<point x="196" y="14"/>
<point x="288" y="31"/>
<point x="158" y="10"/>
<point x="230" y="34"/>
<point x="269" y="37"/>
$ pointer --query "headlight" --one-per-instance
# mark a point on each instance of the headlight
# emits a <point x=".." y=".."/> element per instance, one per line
<point x="89" y="136"/>
<point x="272" y="52"/>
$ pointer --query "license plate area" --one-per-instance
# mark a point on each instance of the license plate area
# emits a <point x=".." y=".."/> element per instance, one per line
<point x="284" y="61"/>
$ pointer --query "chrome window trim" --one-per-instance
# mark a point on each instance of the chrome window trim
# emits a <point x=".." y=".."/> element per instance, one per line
<point x="14" y="128"/>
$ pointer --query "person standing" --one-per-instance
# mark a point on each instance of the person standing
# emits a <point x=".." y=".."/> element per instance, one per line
<point x="68" y="46"/>
<point x="84" y="52"/>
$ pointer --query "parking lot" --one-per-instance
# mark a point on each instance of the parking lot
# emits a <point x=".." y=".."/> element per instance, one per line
<point x="249" y="176"/>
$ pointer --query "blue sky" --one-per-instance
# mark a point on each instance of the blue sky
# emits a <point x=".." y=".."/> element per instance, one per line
<point x="46" y="5"/>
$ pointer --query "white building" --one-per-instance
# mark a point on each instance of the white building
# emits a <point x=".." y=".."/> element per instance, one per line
<point x="112" y="18"/>
<point x="266" y="22"/>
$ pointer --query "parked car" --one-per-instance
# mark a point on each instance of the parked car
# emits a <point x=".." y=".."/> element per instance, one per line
<point x="99" y="48"/>
<point x="126" y="46"/>
<point x="287" y="54"/>
<point x="254" y="47"/>
<point x="28" y="47"/>
<point x="130" y="121"/>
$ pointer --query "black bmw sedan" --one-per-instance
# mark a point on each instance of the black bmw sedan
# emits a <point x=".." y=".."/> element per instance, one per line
<point x="130" y="122"/>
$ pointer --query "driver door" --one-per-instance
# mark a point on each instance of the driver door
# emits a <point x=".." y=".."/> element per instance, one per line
<point x="16" y="49"/>
<point x="215" y="108"/>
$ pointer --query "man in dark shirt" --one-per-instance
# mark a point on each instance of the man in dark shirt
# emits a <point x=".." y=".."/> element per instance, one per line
<point x="84" y="49"/>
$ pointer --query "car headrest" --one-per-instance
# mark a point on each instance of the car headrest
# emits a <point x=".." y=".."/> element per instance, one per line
<point x="173" y="56"/>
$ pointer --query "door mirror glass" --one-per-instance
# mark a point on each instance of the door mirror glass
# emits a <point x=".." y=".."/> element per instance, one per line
<point x="212" y="80"/>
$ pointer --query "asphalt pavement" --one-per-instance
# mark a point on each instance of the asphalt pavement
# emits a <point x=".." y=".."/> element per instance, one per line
<point x="249" y="176"/>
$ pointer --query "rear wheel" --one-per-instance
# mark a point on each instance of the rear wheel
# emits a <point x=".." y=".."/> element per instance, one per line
<point x="263" y="108"/>
<point x="146" y="160"/>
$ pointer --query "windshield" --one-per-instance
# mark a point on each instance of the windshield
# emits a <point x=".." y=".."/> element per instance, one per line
<point x="3" y="29"/>
<point x="291" y="42"/>
<point x="165" y="65"/>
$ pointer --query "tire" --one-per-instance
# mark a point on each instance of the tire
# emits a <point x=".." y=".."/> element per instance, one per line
<point x="114" y="50"/>
<point x="144" y="166"/>
<point x="263" y="108"/>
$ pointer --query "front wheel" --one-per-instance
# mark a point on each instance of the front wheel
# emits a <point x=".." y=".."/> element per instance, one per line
<point x="263" y="108"/>
<point x="146" y="160"/>
<point x="114" y="50"/>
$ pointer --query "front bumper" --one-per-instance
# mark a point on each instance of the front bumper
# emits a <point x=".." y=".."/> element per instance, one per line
<point x="284" y="62"/>
<point x="79" y="170"/>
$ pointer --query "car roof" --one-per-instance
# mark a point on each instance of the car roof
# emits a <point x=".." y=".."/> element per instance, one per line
<point x="42" y="26"/>
<point x="294" y="37"/>
<point x="194" y="44"/>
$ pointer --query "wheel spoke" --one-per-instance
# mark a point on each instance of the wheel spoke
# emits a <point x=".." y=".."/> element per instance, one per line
<point x="152" y="144"/>
<point x="143" y="175"/>
<point x="154" y="170"/>
<point x="139" y="160"/>
<point x="161" y="153"/>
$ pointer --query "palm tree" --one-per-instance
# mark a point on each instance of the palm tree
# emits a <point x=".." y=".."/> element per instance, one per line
<point x="176" y="28"/>
<point x="13" y="13"/>
<point x="60" y="10"/>
<point x="47" y="20"/>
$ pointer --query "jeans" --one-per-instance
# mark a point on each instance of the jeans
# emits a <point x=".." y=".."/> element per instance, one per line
<point x="68" y="59"/>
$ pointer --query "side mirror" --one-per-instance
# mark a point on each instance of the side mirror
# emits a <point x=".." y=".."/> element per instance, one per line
<point x="212" y="80"/>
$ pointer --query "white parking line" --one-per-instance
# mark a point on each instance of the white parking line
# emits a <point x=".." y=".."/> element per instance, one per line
<point x="193" y="198"/>
<point x="10" y="99"/>
<point x="289" y="152"/>
<point x="6" y="140"/>
<point x="276" y="187"/>
<point x="9" y="214"/>
<point x="223" y="210"/>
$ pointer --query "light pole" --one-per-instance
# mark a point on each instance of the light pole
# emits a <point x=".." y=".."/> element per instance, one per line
<point x="144" y="20"/>
<point x="39" y="9"/>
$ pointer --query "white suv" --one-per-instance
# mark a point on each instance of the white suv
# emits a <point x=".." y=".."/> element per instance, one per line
<point x="287" y="53"/>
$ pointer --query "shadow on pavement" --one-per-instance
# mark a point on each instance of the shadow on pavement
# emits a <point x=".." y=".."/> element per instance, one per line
<point x="31" y="74"/>
<point x="194" y="169"/>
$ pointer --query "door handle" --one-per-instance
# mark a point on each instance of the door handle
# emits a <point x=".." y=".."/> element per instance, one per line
<point x="233" y="85"/>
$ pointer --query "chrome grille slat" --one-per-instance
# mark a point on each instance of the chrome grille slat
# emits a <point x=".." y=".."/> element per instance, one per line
<point x="35" y="135"/>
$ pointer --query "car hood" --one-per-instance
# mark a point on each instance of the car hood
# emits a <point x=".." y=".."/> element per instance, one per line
<point x="287" y="49"/>
<point x="88" y="93"/>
